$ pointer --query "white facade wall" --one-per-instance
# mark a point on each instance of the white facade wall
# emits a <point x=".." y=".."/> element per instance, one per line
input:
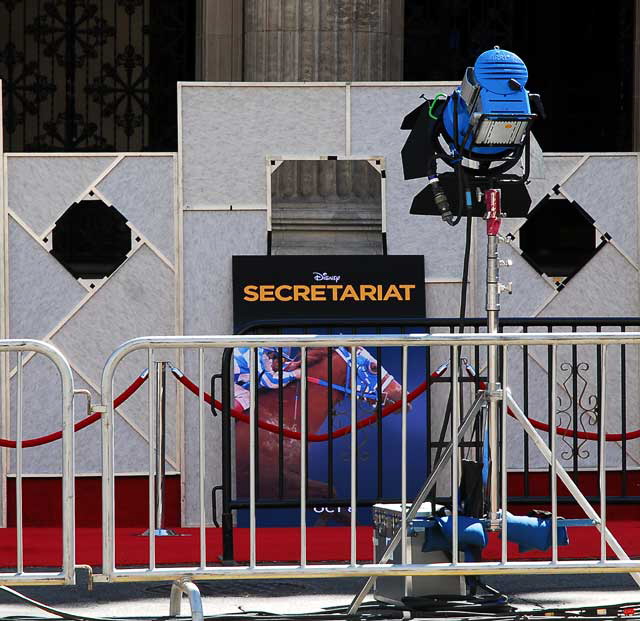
<point x="195" y="209"/>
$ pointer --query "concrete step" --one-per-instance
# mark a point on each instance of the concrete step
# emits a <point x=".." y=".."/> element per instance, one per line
<point x="295" y="216"/>
<point x="335" y="242"/>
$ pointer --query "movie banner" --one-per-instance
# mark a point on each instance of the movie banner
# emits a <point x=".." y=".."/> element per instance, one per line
<point x="277" y="290"/>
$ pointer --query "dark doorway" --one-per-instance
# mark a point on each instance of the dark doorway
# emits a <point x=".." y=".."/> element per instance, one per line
<point x="579" y="55"/>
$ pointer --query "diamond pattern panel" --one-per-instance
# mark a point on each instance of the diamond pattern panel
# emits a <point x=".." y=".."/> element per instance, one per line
<point x="41" y="188"/>
<point x="607" y="188"/>
<point x="607" y="285"/>
<point x="137" y="300"/>
<point x="142" y="188"/>
<point x="41" y="291"/>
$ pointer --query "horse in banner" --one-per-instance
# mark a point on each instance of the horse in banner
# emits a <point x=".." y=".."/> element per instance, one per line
<point x="269" y="406"/>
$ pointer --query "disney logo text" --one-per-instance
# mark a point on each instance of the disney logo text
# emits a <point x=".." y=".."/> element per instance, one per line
<point x="318" y="276"/>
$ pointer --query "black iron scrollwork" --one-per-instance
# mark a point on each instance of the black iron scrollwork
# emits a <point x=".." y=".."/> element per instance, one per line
<point x="84" y="75"/>
<point x="586" y="408"/>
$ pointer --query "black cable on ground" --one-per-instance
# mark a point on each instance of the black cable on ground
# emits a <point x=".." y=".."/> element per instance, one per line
<point x="58" y="613"/>
<point x="486" y="604"/>
<point x="437" y="607"/>
<point x="379" y="613"/>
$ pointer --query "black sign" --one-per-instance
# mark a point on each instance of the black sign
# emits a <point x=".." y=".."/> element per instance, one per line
<point x="267" y="288"/>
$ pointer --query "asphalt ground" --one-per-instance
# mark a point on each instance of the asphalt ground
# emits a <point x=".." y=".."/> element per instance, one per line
<point x="144" y="600"/>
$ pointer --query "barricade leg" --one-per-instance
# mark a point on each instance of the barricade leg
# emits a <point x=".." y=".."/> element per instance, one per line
<point x="569" y="484"/>
<point x="186" y="587"/>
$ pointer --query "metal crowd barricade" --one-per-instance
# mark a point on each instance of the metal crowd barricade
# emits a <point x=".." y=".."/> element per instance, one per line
<point x="534" y="486"/>
<point x="461" y="422"/>
<point x="67" y="573"/>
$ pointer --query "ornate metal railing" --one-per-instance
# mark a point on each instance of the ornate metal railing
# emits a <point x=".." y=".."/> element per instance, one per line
<point x="93" y="75"/>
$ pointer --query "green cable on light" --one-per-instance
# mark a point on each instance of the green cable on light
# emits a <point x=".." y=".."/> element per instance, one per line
<point x="433" y="103"/>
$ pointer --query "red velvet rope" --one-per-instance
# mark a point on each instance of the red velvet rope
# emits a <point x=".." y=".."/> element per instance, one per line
<point x="338" y="433"/>
<point x="85" y="422"/>
<point x="322" y="437"/>
<point x="239" y="415"/>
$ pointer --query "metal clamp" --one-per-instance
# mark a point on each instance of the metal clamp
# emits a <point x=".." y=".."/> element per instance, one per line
<point x="494" y="395"/>
<point x="90" y="576"/>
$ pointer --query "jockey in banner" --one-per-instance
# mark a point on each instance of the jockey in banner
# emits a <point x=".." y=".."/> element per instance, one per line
<point x="268" y="375"/>
<point x="367" y="376"/>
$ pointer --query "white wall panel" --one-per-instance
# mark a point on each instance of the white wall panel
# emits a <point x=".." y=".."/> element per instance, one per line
<point x="606" y="286"/>
<point x="136" y="408"/>
<point x="41" y="291"/>
<point x="584" y="400"/>
<point x="142" y="189"/>
<point x="41" y="188"/>
<point x="536" y="406"/>
<point x="443" y="299"/>
<point x="376" y="117"/>
<point x="557" y="167"/>
<point x="228" y="131"/>
<point x="42" y="415"/>
<point x="210" y="240"/>
<point x="606" y="187"/>
<point x="137" y="300"/>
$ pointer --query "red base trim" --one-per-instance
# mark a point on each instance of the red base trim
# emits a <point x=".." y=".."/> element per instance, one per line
<point x="43" y="546"/>
<point x="43" y="498"/>
<point x="42" y="502"/>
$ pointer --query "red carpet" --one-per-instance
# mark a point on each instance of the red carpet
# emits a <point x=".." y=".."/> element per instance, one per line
<point x="43" y="546"/>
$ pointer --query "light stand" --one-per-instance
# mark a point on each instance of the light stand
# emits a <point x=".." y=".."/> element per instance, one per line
<point x="494" y="393"/>
<point x="486" y="121"/>
<point x="485" y="399"/>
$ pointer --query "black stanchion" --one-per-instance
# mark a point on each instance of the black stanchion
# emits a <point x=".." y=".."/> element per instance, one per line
<point x="227" y="515"/>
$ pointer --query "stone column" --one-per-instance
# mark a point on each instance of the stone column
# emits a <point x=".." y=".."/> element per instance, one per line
<point x="323" y="40"/>
<point x="219" y="40"/>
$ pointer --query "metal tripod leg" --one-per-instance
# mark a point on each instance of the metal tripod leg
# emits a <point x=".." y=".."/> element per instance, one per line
<point x="568" y="482"/>
<point x="420" y="498"/>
